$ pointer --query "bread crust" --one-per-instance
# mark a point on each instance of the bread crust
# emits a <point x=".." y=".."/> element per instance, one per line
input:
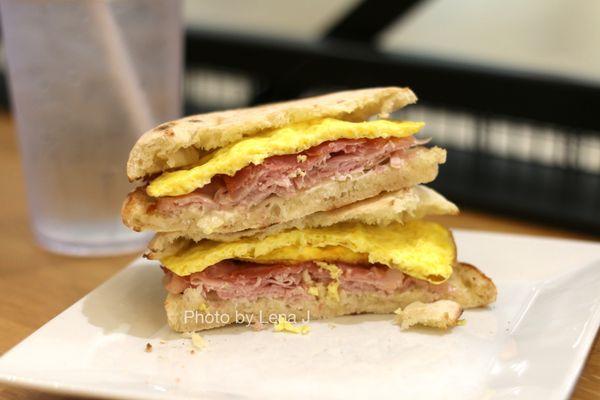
<point x="471" y="289"/>
<point x="421" y="166"/>
<point x="176" y="143"/>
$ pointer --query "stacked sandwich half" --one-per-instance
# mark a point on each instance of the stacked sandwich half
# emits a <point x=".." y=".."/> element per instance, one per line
<point x="310" y="208"/>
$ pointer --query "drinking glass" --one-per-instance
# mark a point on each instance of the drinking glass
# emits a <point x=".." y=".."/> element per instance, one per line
<point x="87" y="78"/>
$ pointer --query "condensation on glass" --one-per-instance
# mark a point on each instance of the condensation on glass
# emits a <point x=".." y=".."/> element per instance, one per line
<point x="87" y="78"/>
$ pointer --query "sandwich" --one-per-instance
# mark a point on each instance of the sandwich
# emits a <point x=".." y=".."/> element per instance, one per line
<point x="310" y="209"/>
<point x="317" y="271"/>
<point x="246" y="169"/>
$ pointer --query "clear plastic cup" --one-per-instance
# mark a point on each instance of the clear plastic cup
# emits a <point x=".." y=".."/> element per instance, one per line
<point x="87" y="77"/>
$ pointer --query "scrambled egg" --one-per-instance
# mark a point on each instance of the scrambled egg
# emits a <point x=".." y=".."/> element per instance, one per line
<point x="198" y="341"/>
<point x="332" y="291"/>
<point x="291" y="139"/>
<point x="421" y="249"/>
<point x="335" y="272"/>
<point x="284" y="325"/>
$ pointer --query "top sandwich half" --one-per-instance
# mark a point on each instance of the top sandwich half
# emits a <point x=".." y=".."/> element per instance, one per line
<point x="251" y="168"/>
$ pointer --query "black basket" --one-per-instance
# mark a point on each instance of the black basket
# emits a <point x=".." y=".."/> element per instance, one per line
<point x="549" y="169"/>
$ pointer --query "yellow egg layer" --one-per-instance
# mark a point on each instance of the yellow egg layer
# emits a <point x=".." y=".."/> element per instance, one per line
<point x="327" y="253"/>
<point x="422" y="249"/>
<point x="291" y="139"/>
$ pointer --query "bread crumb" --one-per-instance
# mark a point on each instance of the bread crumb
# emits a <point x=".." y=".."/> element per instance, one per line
<point x="192" y="351"/>
<point x="148" y="348"/>
<point x="442" y="314"/>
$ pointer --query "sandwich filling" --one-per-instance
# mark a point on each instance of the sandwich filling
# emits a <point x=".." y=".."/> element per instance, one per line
<point x="420" y="249"/>
<point x="229" y="280"/>
<point x="287" y="174"/>
<point x="283" y="161"/>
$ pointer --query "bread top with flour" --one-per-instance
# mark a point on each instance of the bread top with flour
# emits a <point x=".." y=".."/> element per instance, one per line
<point x="183" y="142"/>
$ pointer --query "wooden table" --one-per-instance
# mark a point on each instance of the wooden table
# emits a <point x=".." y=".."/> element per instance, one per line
<point x="37" y="285"/>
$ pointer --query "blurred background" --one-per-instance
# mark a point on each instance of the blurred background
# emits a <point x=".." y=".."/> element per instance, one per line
<point x="511" y="88"/>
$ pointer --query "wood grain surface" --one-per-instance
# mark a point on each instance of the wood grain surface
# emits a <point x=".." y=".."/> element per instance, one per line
<point x="37" y="285"/>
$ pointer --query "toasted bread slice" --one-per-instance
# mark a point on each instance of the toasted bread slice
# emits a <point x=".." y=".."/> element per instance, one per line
<point x="421" y="166"/>
<point x="182" y="142"/>
<point x="399" y="206"/>
<point x="190" y="311"/>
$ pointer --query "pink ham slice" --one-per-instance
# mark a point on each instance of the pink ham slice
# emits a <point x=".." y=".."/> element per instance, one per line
<point x="284" y="175"/>
<point x="245" y="280"/>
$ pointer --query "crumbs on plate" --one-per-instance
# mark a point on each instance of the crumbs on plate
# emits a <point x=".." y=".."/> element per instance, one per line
<point x="283" y="325"/>
<point x="197" y="341"/>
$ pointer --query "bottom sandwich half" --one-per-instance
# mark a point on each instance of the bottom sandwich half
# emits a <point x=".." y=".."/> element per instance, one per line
<point x="345" y="263"/>
<point x="257" y="294"/>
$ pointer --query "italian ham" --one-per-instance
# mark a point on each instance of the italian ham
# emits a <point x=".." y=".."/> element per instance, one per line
<point x="239" y="279"/>
<point x="286" y="174"/>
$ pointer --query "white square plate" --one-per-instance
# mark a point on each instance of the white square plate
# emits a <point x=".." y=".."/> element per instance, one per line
<point x="531" y="344"/>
